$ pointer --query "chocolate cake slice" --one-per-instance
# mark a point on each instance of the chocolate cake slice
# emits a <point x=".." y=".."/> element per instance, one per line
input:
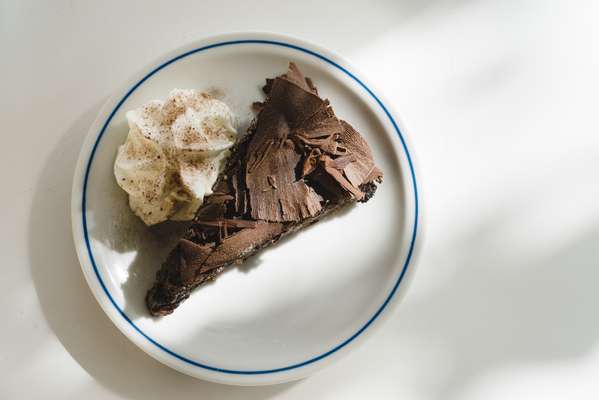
<point x="297" y="163"/>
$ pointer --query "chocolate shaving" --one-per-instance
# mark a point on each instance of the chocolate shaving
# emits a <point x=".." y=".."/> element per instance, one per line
<point x="293" y="200"/>
<point x="343" y="182"/>
<point x="241" y="244"/>
<point x="311" y="86"/>
<point x="220" y="198"/>
<point x="310" y="162"/>
<point x="294" y="75"/>
<point x="233" y="223"/>
<point x="362" y="169"/>
<point x="340" y="162"/>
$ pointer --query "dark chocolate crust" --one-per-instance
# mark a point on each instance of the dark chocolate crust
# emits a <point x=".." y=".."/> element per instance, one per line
<point x="297" y="163"/>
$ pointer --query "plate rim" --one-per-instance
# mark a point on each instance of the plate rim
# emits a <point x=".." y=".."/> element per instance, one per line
<point x="85" y="253"/>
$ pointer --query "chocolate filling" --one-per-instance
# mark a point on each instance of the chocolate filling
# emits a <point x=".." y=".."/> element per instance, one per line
<point x="297" y="163"/>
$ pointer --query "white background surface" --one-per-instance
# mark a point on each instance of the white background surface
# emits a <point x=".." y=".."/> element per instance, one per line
<point x="501" y="101"/>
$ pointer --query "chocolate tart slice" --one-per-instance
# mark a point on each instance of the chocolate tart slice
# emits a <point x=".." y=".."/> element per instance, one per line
<point x="297" y="163"/>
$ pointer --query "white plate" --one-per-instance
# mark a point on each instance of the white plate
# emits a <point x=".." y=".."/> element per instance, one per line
<point x="296" y="306"/>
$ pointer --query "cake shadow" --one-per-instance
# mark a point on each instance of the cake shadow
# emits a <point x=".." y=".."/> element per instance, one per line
<point x="149" y="259"/>
<point x="70" y="310"/>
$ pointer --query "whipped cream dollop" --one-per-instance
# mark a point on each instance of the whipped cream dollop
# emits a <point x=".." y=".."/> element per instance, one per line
<point x="173" y="154"/>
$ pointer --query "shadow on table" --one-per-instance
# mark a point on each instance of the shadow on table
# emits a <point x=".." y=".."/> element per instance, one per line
<point x="507" y="303"/>
<point x="70" y="309"/>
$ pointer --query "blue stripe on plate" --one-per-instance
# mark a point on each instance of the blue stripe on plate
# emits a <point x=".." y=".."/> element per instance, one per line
<point x="399" y="279"/>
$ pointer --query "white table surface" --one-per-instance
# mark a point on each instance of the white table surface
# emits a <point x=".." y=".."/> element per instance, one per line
<point x="500" y="98"/>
